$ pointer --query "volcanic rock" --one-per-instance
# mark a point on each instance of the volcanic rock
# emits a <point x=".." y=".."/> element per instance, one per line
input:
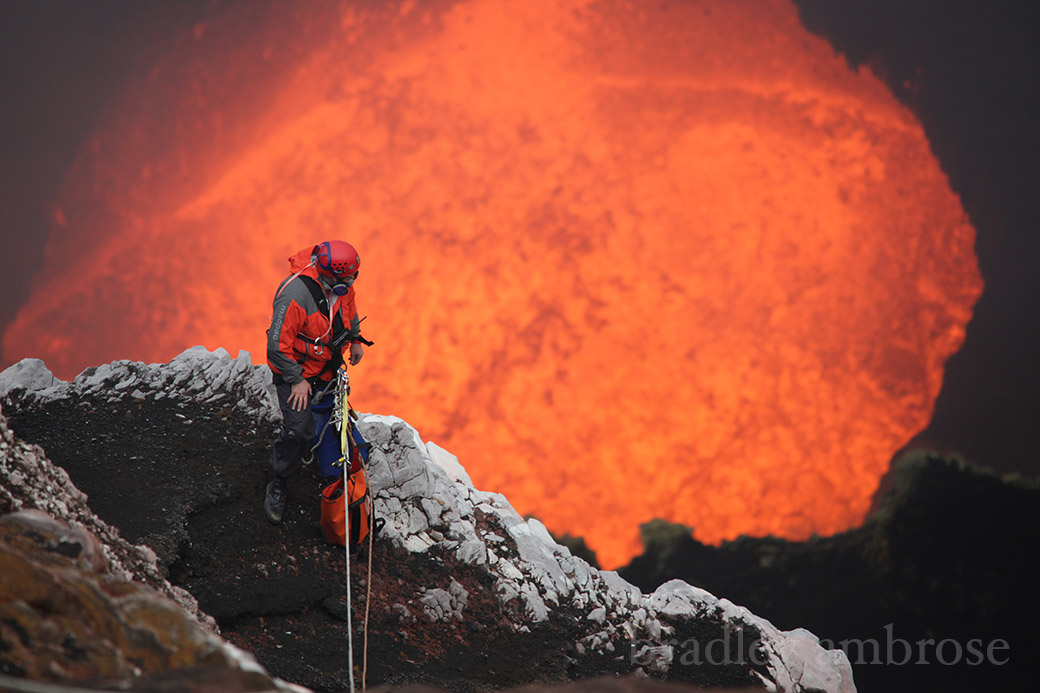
<point x="463" y="591"/>
<point x="79" y="603"/>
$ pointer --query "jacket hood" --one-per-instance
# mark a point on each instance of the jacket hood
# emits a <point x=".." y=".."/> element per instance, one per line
<point x="300" y="261"/>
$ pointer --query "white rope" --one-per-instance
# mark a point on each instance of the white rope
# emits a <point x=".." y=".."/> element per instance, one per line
<point x="344" y="446"/>
<point x="350" y="627"/>
<point x="346" y="416"/>
<point x="368" y="590"/>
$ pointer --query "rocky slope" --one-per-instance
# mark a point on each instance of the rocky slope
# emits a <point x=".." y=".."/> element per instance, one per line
<point x="465" y="593"/>
<point x="79" y="603"/>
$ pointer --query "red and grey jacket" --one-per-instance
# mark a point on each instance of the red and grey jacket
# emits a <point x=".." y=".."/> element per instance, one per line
<point x="301" y="334"/>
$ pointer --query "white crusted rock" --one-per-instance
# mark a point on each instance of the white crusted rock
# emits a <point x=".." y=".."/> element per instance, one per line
<point x="657" y="659"/>
<point x="579" y="570"/>
<point x="195" y="375"/>
<point x="418" y="543"/>
<point x="532" y="542"/>
<point x="473" y="552"/>
<point x="809" y="666"/>
<point x="459" y="596"/>
<point x="433" y="509"/>
<point x="508" y="570"/>
<point x="677" y="598"/>
<point x="534" y="606"/>
<point x="402" y="613"/>
<point x="506" y="590"/>
<point x="417" y="521"/>
<point x="397" y="466"/>
<point x="436" y="605"/>
<point x="622" y="592"/>
<point x="450" y="464"/>
<point x="28" y="376"/>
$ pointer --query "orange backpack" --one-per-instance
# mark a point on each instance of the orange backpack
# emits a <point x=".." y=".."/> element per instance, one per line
<point x="334" y="506"/>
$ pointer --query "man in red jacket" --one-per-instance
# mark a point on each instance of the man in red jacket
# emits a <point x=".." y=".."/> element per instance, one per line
<point x="313" y="308"/>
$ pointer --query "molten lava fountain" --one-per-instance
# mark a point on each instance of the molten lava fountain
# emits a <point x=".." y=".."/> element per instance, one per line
<point x="627" y="260"/>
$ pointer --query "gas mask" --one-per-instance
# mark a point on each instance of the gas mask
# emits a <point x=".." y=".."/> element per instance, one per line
<point x="339" y="285"/>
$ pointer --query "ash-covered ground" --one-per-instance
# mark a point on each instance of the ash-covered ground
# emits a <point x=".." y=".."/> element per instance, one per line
<point x="188" y="481"/>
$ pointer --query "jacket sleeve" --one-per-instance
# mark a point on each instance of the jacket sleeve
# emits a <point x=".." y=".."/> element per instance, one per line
<point x="286" y="323"/>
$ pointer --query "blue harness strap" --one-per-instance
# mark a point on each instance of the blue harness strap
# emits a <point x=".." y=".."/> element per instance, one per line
<point x="328" y="452"/>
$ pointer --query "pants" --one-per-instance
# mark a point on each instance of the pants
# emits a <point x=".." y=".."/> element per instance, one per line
<point x="295" y="437"/>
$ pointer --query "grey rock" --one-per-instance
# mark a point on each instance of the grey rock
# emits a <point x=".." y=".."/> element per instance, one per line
<point x="657" y="659"/>
<point x="444" y="605"/>
<point x="433" y="510"/>
<point x="473" y="552"/>
<point x="402" y="612"/>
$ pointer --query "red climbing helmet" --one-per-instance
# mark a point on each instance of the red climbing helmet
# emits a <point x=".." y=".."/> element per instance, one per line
<point x="336" y="259"/>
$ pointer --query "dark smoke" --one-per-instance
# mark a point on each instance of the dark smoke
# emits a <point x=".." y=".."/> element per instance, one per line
<point x="62" y="63"/>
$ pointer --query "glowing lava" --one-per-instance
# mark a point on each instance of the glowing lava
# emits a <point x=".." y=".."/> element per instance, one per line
<point x="627" y="261"/>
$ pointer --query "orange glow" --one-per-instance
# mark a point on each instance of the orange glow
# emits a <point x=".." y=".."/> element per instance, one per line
<point x="625" y="260"/>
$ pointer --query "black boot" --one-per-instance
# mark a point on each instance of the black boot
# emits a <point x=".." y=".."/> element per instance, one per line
<point x="274" y="504"/>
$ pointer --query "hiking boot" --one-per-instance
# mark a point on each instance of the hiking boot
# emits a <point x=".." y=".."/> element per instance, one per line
<point x="274" y="504"/>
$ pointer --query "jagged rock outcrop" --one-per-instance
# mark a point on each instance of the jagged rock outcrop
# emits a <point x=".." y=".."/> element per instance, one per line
<point x="428" y="500"/>
<point x="196" y="375"/>
<point x="466" y="592"/>
<point x="79" y="603"/>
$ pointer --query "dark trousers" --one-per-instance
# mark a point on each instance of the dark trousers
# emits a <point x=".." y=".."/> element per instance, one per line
<point x="294" y="438"/>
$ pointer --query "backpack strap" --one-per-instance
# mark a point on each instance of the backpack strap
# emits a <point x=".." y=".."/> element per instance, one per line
<point x="323" y="306"/>
<point x="337" y="328"/>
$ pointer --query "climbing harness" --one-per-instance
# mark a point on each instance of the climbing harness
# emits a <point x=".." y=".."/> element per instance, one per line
<point x="332" y="386"/>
